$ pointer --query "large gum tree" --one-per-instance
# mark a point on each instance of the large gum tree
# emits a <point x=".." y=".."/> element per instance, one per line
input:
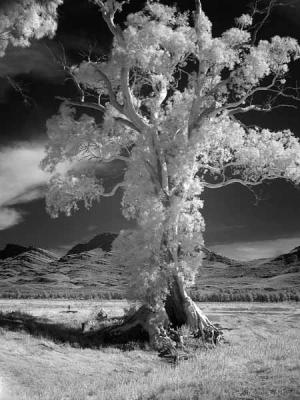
<point x="169" y="95"/>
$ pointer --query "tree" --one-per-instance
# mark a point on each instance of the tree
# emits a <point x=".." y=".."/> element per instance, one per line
<point x="169" y="95"/>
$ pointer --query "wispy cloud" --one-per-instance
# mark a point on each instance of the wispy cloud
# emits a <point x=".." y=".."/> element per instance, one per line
<point x="9" y="217"/>
<point x="21" y="180"/>
<point x="245" y="251"/>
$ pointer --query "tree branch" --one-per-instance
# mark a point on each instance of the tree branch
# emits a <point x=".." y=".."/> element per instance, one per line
<point x="267" y="108"/>
<point x="129" y="107"/>
<point x="128" y="123"/>
<point x="193" y="120"/>
<point x="108" y="11"/>
<point x="267" y="11"/>
<point x="112" y="97"/>
<point x="134" y="121"/>
<point x="113" y="191"/>
<point x="98" y="107"/>
<point x="237" y="180"/>
<point x="84" y="104"/>
<point x="248" y="94"/>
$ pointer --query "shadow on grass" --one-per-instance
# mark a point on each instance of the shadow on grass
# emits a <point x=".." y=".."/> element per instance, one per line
<point x="59" y="333"/>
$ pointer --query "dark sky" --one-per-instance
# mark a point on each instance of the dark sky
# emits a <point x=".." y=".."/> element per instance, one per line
<point x="236" y="223"/>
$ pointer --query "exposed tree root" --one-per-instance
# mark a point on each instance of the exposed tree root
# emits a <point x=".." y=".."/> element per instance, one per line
<point x="182" y="310"/>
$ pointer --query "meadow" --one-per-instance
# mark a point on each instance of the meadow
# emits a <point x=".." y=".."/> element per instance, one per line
<point x="259" y="361"/>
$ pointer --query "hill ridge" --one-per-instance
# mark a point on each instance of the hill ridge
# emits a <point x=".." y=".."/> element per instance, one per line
<point x="88" y="268"/>
<point x="103" y="240"/>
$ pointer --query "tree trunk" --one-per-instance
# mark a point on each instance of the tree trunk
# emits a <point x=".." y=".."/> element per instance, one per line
<point x="182" y="310"/>
<point x="151" y="324"/>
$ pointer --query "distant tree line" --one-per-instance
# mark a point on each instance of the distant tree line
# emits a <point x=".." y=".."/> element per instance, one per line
<point x="261" y="296"/>
<point x="223" y="296"/>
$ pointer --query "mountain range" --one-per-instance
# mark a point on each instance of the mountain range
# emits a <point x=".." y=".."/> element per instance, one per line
<point x="86" y="270"/>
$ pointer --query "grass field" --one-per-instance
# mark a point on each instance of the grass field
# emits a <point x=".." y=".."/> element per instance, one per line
<point x="261" y="361"/>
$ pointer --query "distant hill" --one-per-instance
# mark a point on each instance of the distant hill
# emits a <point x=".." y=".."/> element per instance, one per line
<point x="86" y="269"/>
<point x="30" y="255"/>
<point x="293" y="257"/>
<point x="12" y="250"/>
<point x="38" y="271"/>
<point x="103" y="241"/>
<point x="210" y="256"/>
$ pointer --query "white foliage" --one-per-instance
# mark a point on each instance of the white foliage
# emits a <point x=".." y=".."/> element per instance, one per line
<point x="65" y="192"/>
<point x="244" y="20"/>
<point x="24" y="20"/>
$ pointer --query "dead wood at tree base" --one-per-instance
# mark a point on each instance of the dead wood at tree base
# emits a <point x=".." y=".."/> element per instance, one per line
<point x="147" y="325"/>
<point x="132" y="329"/>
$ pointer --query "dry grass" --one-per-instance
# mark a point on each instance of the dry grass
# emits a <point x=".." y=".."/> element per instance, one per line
<point x="262" y="361"/>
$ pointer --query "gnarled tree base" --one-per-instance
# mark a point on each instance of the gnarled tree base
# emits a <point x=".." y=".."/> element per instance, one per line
<point x="156" y="326"/>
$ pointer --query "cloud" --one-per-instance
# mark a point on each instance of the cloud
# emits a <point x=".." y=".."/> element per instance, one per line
<point x="9" y="217"/>
<point x="245" y="251"/>
<point x="21" y="180"/>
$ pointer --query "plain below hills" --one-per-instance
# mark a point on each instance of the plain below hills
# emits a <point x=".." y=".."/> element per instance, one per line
<point x="86" y="271"/>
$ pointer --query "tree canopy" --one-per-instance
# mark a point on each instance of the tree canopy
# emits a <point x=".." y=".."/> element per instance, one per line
<point x="24" y="20"/>
<point x="169" y="95"/>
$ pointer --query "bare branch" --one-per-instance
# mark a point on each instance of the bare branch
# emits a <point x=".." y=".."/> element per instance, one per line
<point x="83" y="104"/>
<point x="270" y="103"/>
<point x="128" y="123"/>
<point x="113" y="191"/>
<point x="248" y="95"/>
<point x="267" y="108"/>
<point x="108" y="11"/>
<point x="266" y="12"/>
<point x="68" y="69"/>
<point x="236" y="180"/>
<point x="92" y="156"/>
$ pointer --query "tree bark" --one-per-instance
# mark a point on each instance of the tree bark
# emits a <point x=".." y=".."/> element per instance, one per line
<point x="182" y="310"/>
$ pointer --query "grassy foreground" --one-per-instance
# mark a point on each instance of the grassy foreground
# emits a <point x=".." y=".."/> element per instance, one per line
<point x="261" y="362"/>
